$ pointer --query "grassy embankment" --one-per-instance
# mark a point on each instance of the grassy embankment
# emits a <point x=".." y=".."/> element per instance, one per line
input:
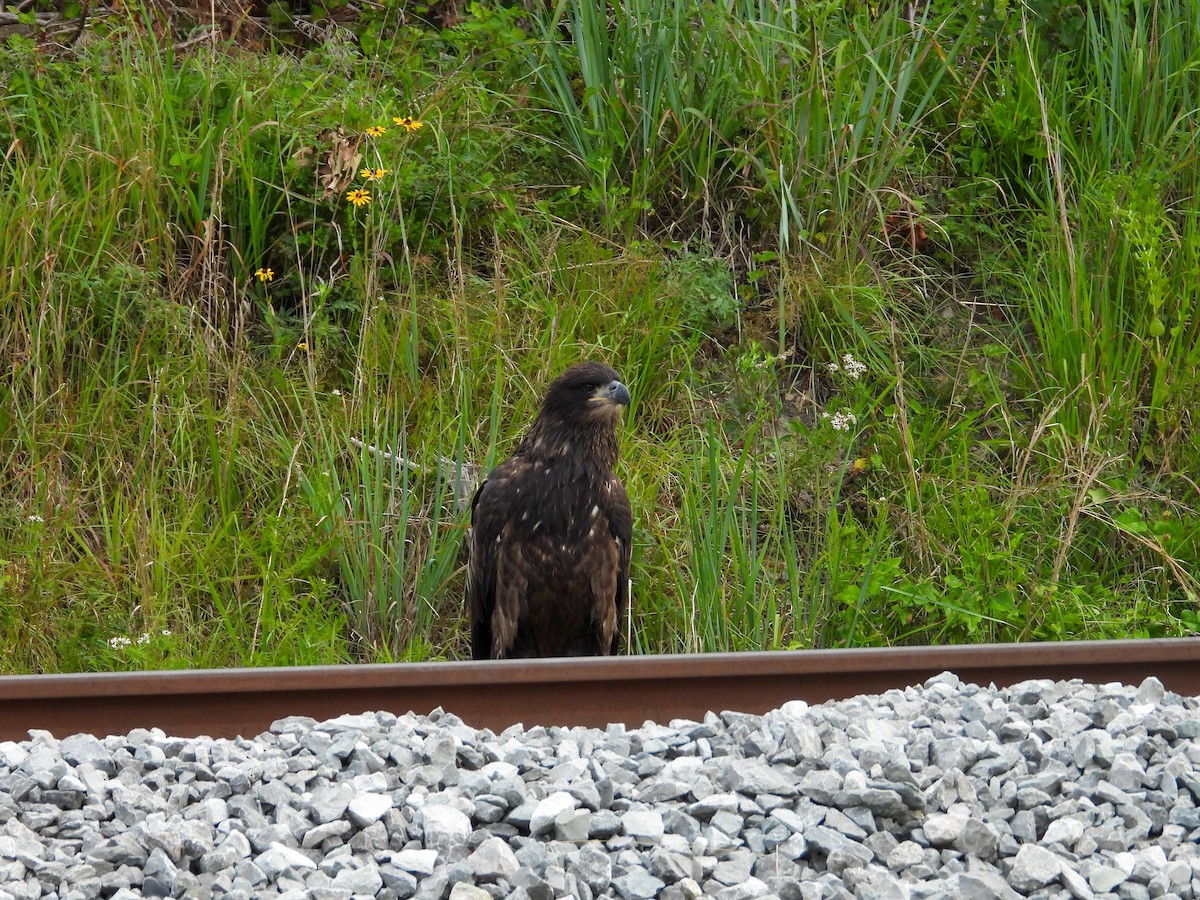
<point x="996" y="215"/>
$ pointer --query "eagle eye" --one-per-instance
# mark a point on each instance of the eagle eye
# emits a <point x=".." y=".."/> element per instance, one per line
<point x="590" y="387"/>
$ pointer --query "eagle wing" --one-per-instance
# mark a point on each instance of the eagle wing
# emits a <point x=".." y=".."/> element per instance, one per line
<point x="621" y="524"/>
<point x="497" y="579"/>
<point x="481" y="571"/>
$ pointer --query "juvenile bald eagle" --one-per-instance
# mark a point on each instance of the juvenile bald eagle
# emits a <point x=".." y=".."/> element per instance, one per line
<point x="549" y="544"/>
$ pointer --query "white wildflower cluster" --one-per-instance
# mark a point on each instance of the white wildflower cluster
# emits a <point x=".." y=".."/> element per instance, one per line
<point x="851" y="366"/>
<point x="36" y="519"/>
<point x="120" y="643"/>
<point x="841" y="421"/>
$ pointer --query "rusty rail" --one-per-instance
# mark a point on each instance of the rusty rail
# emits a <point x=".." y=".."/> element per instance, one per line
<point x="231" y="702"/>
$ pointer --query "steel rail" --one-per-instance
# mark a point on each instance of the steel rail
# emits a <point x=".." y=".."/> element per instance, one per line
<point x="580" y="691"/>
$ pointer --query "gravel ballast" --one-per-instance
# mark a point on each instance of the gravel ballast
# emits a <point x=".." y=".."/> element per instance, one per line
<point x="947" y="790"/>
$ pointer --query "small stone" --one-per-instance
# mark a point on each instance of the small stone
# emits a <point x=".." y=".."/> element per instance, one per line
<point x="319" y="834"/>
<point x="402" y="884"/>
<point x="1151" y="690"/>
<point x="637" y="885"/>
<point x="727" y="822"/>
<point x="328" y="803"/>
<point x="943" y="829"/>
<point x="444" y="827"/>
<point x="363" y="880"/>
<point x="882" y="886"/>
<point x="822" y="785"/>
<point x="755" y="776"/>
<point x="1033" y="867"/>
<point x="593" y="867"/>
<point x="573" y="825"/>
<point x="905" y="854"/>
<point x="278" y="859"/>
<point x="661" y="791"/>
<point x="709" y="806"/>
<point x="645" y="827"/>
<point x="670" y="866"/>
<point x="80" y="749"/>
<point x="747" y="890"/>
<point x="521" y="815"/>
<point x="465" y="891"/>
<point x="735" y="868"/>
<point x="605" y="824"/>
<point x="121" y="850"/>
<point x="1066" y="831"/>
<point x="979" y="839"/>
<point x="881" y="801"/>
<point x="548" y="809"/>
<point x="368" y="808"/>
<point x="852" y="855"/>
<point x="1075" y="883"/>
<point x="1126" y="772"/>
<point x="979" y="884"/>
<point x="419" y="862"/>
<point x="839" y="821"/>
<point x="493" y="860"/>
<point x="234" y="849"/>
<point x="159" y="875"/>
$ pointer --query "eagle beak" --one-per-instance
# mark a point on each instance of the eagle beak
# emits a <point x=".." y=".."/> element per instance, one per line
<point x="614" y="392"/>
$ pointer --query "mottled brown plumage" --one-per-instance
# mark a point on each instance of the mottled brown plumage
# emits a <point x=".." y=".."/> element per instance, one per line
<point x="551" y="526"/>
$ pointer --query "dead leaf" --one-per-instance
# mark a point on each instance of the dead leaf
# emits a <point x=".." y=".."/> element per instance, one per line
<point x="337" y="170"/>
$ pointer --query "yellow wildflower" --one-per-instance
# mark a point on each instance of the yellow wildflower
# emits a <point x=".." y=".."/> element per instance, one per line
<point x="264" y="274"/>
<point x="376" y="131"/>
<point x="302" y="346"/>
<point x="408" y="123"/>
<point x="373" y="174"/>
<point x="359" y="197"/>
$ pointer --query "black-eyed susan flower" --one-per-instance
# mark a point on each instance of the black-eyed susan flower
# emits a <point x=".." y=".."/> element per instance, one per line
<point x="408" y="123"/>
<point x="376" y="131"/>
<point x="264" y="274"/>
<point x="302" y="346"/>
<point x="359" y="197"/>
<point x="373" y="174"/>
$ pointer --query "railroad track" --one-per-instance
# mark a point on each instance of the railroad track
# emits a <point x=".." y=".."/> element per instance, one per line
<point x="232" y="702"/>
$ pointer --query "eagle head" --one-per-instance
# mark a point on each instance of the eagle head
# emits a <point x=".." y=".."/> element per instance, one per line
<point x="586" y="393"/>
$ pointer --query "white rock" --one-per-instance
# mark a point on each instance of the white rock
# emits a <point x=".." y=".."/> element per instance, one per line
<point x="548" y="809"/>
<point x="419" y="862"/>
<point x="644" y="826"/>
<point x="364" y="881"/>
<point x="278" y="859"/>
<point x="12" y="754"/>
<point x="572" y="825"/>
<point x="367" y="808"/>
<point x="1064" y="831"/>
<point x="1075" y="883"/>
<point x="794" y="709"/>
<point x="905" y="854"/>
<point x="493" y="860"/>
<point x="1104" y="878"/>
<point x="943" y="829"/>
<point x="444" y="827"/>
<point x="1127" y="772"/>
<point x="464" y="891"/>
<point x="1125" y="861"/>
<point x="1033" y="867"/>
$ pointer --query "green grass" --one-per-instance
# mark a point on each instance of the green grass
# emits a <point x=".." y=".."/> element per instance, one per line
<point x="707" y="197"/>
